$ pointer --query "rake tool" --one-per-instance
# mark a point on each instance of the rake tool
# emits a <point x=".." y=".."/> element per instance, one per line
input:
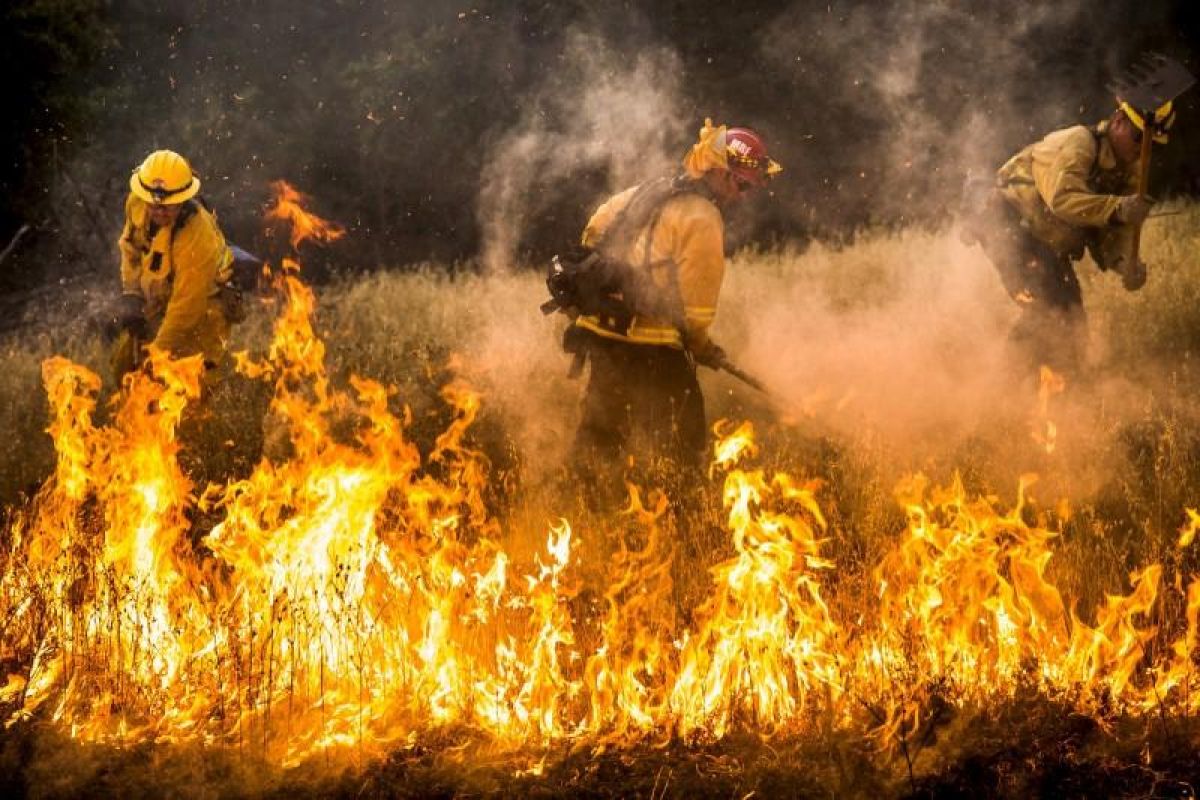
<point x="1155" y="80"/>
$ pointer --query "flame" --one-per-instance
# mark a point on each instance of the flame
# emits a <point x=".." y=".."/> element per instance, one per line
<point x="1044" y="430"/>
<point x="766" y="636"/>
<point x="289" y="207"/>
<point x="1188" y="532"/>
<point x="628" y="694"/>
<point x="355" y="593"/>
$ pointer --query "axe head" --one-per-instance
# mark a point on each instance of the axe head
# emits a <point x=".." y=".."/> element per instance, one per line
<point x="1155" y="80"/>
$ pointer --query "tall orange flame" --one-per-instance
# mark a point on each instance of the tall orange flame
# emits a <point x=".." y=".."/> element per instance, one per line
<point x="356" y="592"/>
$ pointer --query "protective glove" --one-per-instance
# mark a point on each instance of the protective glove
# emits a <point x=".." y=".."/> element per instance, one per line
<point x="131" y="315"/>
<point x="712" y="356"/>
<point x="232" y="302"/>
<point x="1133" y="209"/>
<point x="1133" y="277"/>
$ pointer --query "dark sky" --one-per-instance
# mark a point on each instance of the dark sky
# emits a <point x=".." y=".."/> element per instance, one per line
<point x="446" y="131"/>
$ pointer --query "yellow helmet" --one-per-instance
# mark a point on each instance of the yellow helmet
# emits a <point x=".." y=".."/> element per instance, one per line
<point x="164" y="178"/>
<point x="1164" y="118"/>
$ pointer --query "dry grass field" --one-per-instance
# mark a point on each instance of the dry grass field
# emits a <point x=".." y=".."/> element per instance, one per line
<point x="885" y="356"/>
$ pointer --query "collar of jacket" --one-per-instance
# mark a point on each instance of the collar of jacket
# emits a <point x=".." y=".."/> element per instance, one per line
<point x="683" y="183"/>
<point x="1106" y="159"/>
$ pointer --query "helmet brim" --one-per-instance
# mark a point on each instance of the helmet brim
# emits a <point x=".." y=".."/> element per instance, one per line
<point x="757" y="175"/>
<point x="174" y="198"/>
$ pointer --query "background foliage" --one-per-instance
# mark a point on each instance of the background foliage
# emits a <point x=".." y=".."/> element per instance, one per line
<point x="401" y="117"/>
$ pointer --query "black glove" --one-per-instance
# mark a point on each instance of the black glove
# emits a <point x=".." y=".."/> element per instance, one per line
<point x="711" y="356"/>
<point x="131" y="315"/>
<point x="232" y="301"/>
<point x="1133" y="209"/>
<point x="1133" y="278"/>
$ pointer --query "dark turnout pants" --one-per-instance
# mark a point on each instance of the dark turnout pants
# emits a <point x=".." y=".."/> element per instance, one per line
<point x="1052" y="329"/>
<point x="641" y="400"/>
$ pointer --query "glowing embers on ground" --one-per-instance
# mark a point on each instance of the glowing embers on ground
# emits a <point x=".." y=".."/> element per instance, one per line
<point x="354" y="591"/>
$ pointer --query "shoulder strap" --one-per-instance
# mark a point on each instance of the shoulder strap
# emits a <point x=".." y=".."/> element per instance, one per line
<point x="643" y="211"/>
<point x="1098" y="137"/>
<point x="190" y="207"/>
<point x="681" y="184"/>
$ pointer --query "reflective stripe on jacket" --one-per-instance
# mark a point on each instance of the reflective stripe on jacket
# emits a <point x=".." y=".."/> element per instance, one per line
<point x="177" y="272"/>
<point x="690" y="235"/>
<point x="1066" y="188"/>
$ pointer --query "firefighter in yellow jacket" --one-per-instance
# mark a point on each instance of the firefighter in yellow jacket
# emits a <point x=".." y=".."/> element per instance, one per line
<point x="642" y="392"/>
<point x="1071" y="192"/>
<point x="175" y="265"/>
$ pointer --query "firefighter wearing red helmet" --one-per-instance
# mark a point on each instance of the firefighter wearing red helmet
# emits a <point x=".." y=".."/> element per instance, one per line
<point x="747" y="157"/>
<point x="666" y="239"/>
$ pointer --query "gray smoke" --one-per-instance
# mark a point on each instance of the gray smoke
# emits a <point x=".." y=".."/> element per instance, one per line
<point x="598" y="111"/>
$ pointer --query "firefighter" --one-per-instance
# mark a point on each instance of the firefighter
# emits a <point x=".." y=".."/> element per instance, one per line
<point x="642" y="394"/>
<point x="176" y="268"/>
<point x="1071" y="192"/>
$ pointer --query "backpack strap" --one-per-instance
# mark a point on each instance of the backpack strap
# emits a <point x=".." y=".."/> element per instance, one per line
<point x="613" y="285"/>
<point x="189" y="209"/>
<point x="643" y="212"/>
<point x="1098" y="130"/>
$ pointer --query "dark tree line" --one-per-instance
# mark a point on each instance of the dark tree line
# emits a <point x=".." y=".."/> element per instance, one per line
<point x="392" y="114"/>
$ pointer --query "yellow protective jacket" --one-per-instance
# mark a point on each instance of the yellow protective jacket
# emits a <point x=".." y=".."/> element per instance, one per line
<point x="1066" y="188"/>
<point x="177" y="271"/>
<point x="688" y="248"/>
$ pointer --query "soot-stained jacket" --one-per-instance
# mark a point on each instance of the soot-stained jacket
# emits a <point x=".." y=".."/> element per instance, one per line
<point x="177" y="272"/>
<point x="1066" y="188"/>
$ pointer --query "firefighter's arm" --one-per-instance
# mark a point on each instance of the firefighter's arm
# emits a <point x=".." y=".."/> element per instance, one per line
<point x="1062" y="183"/>
<point x="699" y="248"/>
<point x="198" y="252"/>
<point x="131" y="259"/>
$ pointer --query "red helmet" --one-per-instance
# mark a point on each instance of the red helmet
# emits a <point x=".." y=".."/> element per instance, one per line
<point x="747" y="155"/>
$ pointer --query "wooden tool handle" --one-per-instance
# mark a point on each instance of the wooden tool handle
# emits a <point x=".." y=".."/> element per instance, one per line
<point x="1143" y="184"/>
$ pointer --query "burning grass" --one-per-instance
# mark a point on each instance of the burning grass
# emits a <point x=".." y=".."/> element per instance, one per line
<point x="407" y="586"/>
